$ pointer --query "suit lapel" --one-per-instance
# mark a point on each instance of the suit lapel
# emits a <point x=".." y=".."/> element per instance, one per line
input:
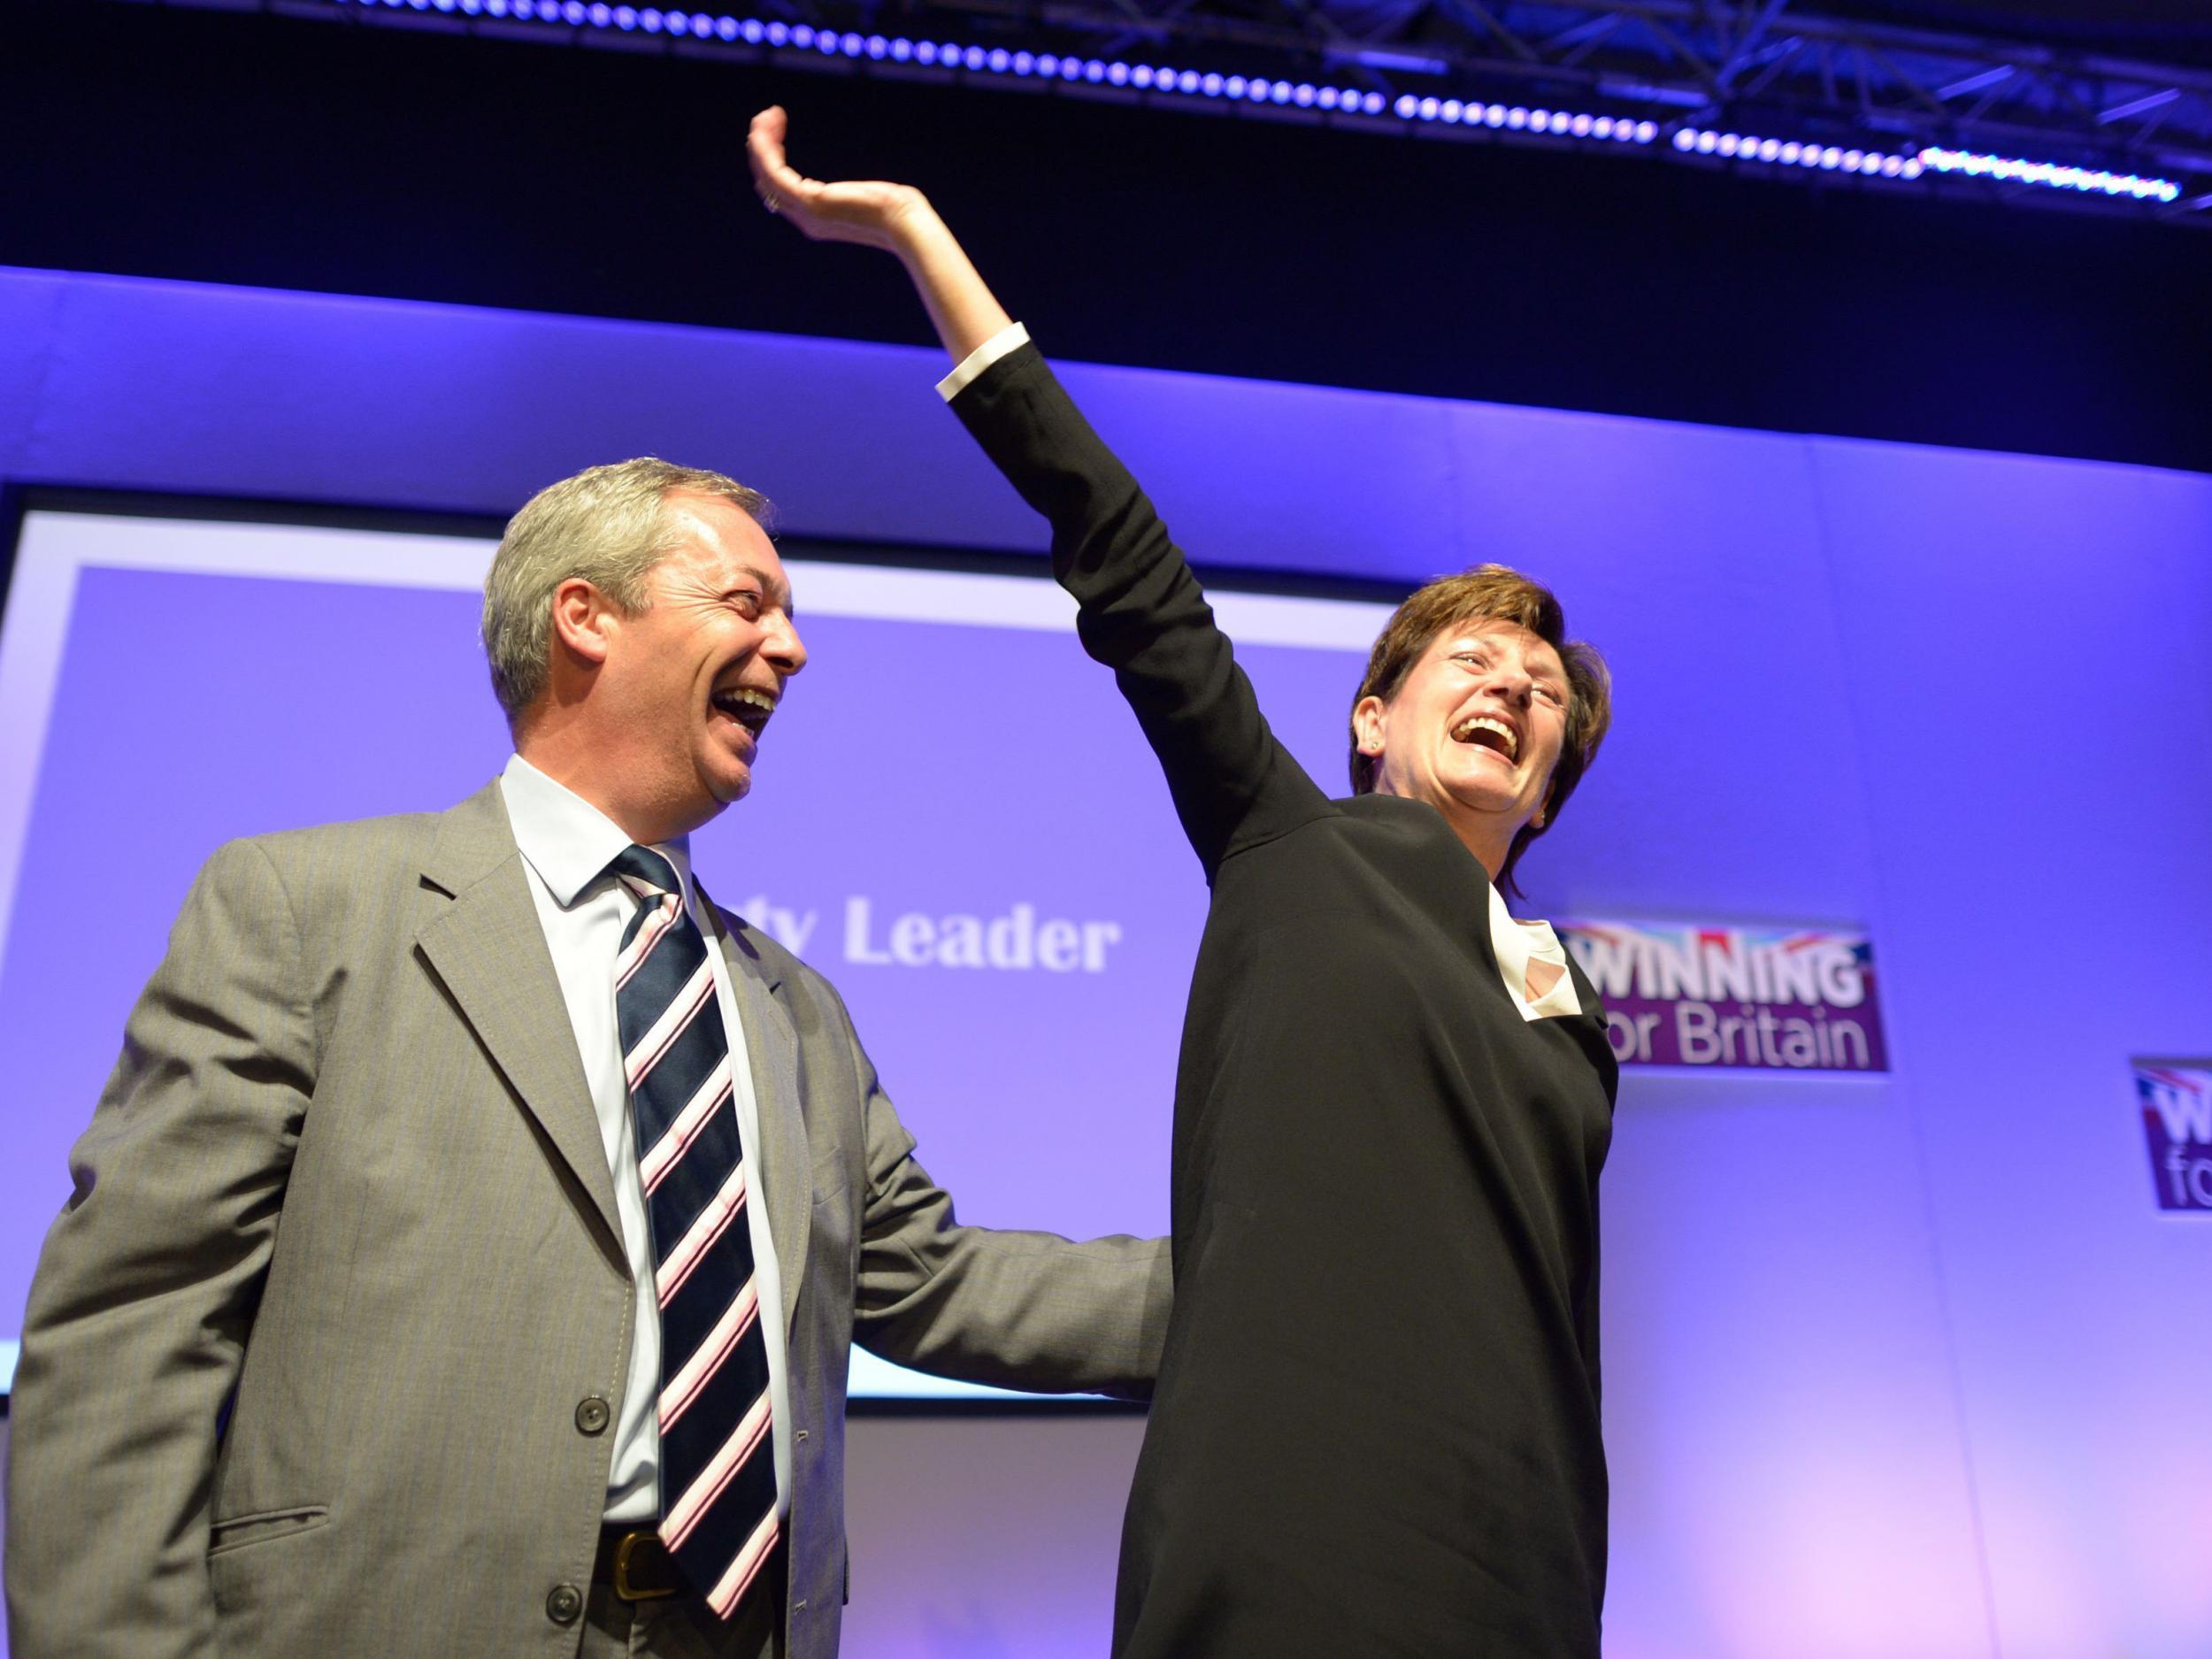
<point x="772" y="1048"/>
<point x="486" y="945"/>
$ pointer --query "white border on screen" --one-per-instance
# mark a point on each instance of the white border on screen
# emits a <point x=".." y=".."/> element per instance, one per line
<point x="54" y="545"/>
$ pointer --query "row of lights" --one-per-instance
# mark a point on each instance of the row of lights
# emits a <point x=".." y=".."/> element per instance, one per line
<point x="706" y="26"/>
<point x="1790" y="153"/>
<point x="1513" y="118"/>
<point x="2013" y="170"/>
<point x="1830" y="158"/>
<point x="995" y="60"/>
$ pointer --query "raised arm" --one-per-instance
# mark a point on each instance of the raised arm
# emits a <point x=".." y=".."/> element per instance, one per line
<point x="1142" y="613"/>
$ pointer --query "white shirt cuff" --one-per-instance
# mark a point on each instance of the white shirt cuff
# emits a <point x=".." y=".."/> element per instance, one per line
<point x="981" y="358"/>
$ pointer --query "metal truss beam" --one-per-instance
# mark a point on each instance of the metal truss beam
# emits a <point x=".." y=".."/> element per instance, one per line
<point x="1769" y="68"/>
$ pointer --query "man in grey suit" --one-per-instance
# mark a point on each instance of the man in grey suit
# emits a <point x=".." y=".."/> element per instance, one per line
<point x="463" y="1255"/>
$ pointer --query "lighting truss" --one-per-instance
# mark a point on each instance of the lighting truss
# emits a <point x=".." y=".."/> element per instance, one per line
<point x="1762" y="87"/>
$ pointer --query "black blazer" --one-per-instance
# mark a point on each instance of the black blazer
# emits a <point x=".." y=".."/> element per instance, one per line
<point x="1376" y="1429"/>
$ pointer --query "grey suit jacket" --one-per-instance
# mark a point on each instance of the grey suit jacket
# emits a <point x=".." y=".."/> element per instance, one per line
<point x="305" y="1355"/>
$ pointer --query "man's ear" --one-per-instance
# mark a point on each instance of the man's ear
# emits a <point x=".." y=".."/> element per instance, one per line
<point x="1370" y="720"/>
<point x="583" y="621"/>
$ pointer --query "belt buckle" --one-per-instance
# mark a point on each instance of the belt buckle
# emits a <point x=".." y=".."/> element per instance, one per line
<point x="623" y="1587"/>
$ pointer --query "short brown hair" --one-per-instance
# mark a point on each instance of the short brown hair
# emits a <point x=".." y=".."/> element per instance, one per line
<point x="1491" y="593"/>
<point x="607" y="525"/>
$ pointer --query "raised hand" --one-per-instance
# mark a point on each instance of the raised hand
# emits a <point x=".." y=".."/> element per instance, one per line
<point x="875" y="214"/>
<point x="896" y="218"/>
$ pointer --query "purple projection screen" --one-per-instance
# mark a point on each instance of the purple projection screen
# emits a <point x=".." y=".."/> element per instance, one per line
<point x="954" y="816"/>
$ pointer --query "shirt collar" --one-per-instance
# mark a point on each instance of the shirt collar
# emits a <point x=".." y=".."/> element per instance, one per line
<point x="568" y="840"/>
<point x="1515" y="944"/>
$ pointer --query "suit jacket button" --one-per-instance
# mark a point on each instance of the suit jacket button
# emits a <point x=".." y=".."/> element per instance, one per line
<point x="563" y="1603"/>
<point x="591" y="1416"/>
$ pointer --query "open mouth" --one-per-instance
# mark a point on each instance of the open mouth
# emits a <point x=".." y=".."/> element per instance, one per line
<point x="1486" y="731"/>
<point x="748" y="705"/>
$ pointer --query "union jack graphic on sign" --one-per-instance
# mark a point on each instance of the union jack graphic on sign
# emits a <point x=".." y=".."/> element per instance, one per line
<point x="2175" y="1097"/>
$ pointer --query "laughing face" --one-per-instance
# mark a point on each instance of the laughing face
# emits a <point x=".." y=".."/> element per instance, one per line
<point x="1475" y="730"/>
<point x="694" y="677"/>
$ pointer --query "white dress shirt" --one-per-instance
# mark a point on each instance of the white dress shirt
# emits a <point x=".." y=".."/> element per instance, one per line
<point x="981" y="358"/>
<point x="1533" y="963"/>
<point x="566" y="844"/>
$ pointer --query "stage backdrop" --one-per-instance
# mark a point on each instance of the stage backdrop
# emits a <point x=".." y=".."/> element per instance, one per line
<point x="1898" y="1363"/>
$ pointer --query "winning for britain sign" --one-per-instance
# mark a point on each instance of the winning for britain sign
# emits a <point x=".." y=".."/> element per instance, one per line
<point x="2176" y="1101"/>
<point x="1768" y="999"/>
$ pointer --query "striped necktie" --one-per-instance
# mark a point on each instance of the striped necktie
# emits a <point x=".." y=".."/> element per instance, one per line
<point x="717" y="1463"/>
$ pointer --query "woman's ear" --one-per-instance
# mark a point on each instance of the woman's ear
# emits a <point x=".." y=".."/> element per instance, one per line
<point x="1371" y="722"/>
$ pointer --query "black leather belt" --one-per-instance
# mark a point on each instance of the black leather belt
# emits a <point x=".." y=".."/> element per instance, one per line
<point x="636" y="1565"/>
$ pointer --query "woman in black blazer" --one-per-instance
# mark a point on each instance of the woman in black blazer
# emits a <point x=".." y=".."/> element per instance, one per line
<point x="1376" y="1430"/>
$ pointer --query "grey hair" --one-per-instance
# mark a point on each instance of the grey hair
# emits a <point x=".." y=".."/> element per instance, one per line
<point x="604" y="526"/>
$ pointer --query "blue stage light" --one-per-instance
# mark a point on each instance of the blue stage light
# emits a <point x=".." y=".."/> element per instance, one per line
<point x="2014" y="170"/>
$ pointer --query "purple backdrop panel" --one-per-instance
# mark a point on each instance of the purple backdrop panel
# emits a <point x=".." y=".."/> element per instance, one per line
<point x="2046" y="910"/>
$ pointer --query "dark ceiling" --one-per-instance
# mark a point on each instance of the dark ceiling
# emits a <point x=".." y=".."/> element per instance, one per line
<point x="296" y="153"/>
